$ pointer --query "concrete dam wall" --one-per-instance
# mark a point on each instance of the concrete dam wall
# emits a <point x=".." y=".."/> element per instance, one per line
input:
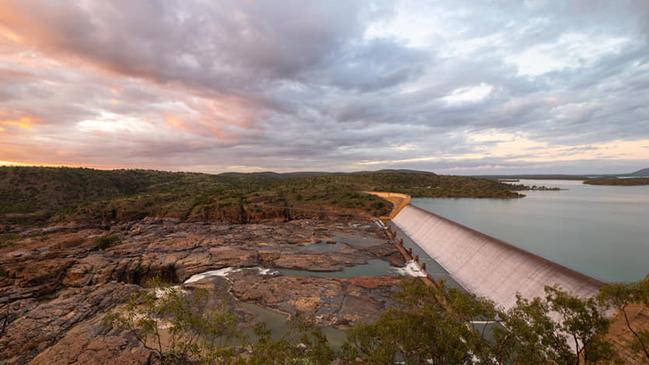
<point x="486" y="266"/>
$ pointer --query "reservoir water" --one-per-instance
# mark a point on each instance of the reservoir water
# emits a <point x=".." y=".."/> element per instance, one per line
<point x="601" y="231"/>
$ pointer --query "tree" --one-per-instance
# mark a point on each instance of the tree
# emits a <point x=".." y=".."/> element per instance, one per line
<point x="620" y="296"/>
<point x="433" y="325"/>
<point x="305" y="344"/>
<point x="540" y="330"/>
<point x="529" y="336"/>
<point x="184" y="326"/>
<point x="179" y="326"/>
<point x="583" y="321"/>
<point x="430" y="325"/>
<point x="243" y="214"/>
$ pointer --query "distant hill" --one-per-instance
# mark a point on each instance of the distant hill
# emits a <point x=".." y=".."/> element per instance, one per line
<point x="627" y="181"/>
<point x="283" y="175"/>
<point x="643" y="172"/>
<point x="406" y="171"/>
<point x="536" y="177"/>
<point x="39" y="195"/>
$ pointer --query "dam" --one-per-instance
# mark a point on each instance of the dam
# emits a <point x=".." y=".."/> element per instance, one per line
<point x="486" y="266"/>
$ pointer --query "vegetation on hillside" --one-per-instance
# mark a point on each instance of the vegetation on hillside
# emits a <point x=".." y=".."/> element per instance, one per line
<point x="429" y="325"/>
<point x="39" y="195"/>
<point x="632" y="181"/>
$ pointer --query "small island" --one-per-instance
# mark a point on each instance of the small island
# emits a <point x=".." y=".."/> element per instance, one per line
<point x="523" y="187"/>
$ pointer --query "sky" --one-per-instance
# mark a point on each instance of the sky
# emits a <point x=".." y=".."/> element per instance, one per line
<point x="451" y="86"/>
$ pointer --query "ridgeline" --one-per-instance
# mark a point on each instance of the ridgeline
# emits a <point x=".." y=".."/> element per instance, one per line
<point x="631" y="181"/>
<point x="40" y="195"/>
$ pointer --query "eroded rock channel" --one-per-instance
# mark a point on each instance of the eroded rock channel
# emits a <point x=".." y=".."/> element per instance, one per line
<point x="56" y="284"/>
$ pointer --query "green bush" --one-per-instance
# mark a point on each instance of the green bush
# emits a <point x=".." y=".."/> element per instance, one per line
<point x="104" y="242"/>
<point x="430" y="326"/>
<point x="8" y="239"/>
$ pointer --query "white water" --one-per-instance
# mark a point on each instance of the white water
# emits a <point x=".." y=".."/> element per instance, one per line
<point x="224" y="272"/>
<point x="411" y="269"/>
<point x="163" y="292"/>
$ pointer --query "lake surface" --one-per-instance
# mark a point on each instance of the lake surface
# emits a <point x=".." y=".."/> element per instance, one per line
<point x="601" y="231"/>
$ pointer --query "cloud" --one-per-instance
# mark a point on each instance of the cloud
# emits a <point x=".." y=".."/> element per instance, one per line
<point x="570" y="51"/>
<point x="470" y="94"/>
<point x="335" y="85"/>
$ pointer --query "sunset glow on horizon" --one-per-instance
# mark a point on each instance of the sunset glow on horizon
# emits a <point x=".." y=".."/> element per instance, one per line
<point x="461" y="87"/>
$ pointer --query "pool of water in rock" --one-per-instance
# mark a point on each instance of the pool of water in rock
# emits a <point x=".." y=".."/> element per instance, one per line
<point x="374" y="267"/>
<point x="279" y="326"/>
<point x="278" y="322"/>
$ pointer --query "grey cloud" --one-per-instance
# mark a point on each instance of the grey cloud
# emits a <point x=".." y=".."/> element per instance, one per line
<point x="311" y="83"/>
<point x="375" y="65"/>
<point x="223" y="47"/>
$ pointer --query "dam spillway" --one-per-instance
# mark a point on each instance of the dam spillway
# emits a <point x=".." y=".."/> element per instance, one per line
<point x="486" y="266"/>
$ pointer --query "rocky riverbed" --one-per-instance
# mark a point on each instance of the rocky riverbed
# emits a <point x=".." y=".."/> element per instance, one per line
<point x="56" y="284"/>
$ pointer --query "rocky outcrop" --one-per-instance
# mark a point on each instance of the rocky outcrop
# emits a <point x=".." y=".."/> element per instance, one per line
<point x="95" y="343"/>
<point x="330" y="301"/>
<point x="56" y="284"/>
<point x="48" y="321"/>
<point x="317" y="261"/>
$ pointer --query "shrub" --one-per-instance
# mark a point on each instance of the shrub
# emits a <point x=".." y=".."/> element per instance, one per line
<point x="106" y="241"/>
<point x="8" y="239"/>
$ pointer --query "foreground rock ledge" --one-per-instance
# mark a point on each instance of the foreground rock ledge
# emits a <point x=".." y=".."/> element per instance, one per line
<point x="56" y="285"/>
